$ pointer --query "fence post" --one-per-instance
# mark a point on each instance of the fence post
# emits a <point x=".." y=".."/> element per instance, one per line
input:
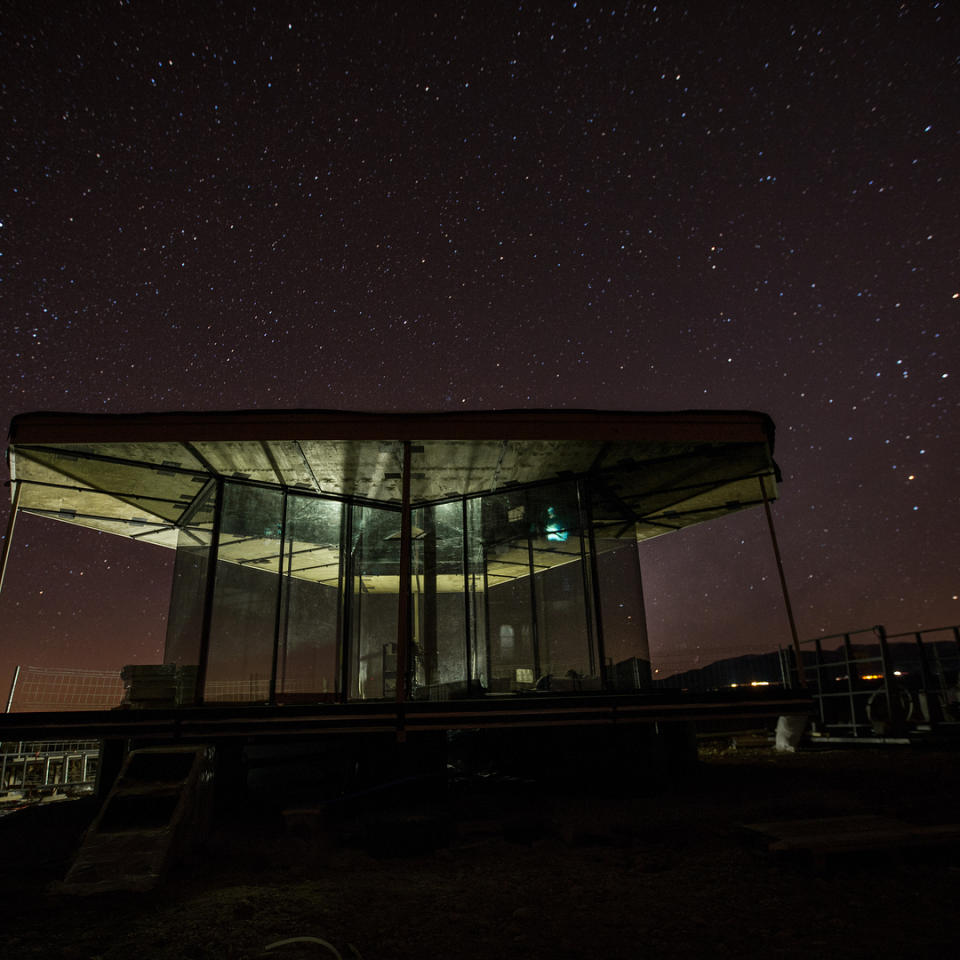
<point x="848" y="656"/>
<point x="895" y="713"/>
<point x="932" y="696"/>
<point x="819" y="672"/>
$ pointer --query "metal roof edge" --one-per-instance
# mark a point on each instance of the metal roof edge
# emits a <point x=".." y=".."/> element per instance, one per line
<point x="319" y="424"/>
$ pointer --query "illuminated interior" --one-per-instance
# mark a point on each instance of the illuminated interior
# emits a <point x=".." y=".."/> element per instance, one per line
<point x="464" y="555"/>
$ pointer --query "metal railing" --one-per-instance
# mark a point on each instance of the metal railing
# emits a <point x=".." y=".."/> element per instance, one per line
<point x="882" y="687"/>
<point x="48" y="766"/>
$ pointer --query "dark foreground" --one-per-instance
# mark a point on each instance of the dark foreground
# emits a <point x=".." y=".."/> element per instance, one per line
<point x="517" y="870"/>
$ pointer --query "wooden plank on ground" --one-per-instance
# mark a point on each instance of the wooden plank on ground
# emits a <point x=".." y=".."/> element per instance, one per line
<point x="850" y="834"/>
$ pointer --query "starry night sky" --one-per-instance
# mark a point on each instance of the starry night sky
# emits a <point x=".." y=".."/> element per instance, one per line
<point x="632" y="206"/>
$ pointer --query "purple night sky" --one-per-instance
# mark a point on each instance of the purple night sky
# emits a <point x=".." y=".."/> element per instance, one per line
<point x="640" y="206"/>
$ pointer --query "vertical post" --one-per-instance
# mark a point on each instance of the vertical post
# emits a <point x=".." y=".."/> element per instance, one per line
<point x="209" y="594"/>
<point x="468" y="620"/>
<point x="278" y="610"/>
<point x="585" y="570"/>
<point x="13" y="687"/>
<point x="11" y="523"/>
<point x="344" y="598"/>
<point x="534" y="620"/>
<point x="939" y="674"/>
<point x="427" y="601"/>
<point x="486" y="618"/>
<point x="819" y="672"/>
<point x="643" y="618"/>
<point x="931" y="695"/>
<point x="597" y="602"/>
<point x="851" y="685"/>
<point x="285" y="634"/>
<point x="894" y="707"/>
<point x="801" y="676"/>
<point x="403" y="606"/>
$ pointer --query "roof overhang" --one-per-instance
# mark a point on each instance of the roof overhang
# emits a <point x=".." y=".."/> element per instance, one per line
<point x="139" y="475"/>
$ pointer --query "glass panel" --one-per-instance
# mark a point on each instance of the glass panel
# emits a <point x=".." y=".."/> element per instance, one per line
<point x="437" y="602"/>
<point x="507" y="553"/>
<point x="476" y="600"/>
<point x="370" y="601"/>
<point x="310" y="601"/>
<point x="626" y="649"/>
<point x="541" y="633"/>
<point x="512" y="665"/>
<point x="185" y="617"/>
<point x="566" y="657"/>
<point x="243" y="627"/>
<point x="624" y="622"/>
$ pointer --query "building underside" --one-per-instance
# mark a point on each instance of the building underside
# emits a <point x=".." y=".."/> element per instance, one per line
<point x="330" y="559"/>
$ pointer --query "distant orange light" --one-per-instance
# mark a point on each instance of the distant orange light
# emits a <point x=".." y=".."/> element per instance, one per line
<point x="872" y="676"/>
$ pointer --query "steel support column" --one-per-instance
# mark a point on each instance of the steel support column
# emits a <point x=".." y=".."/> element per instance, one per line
<point x="208" y="595"/>
<point x="278" y="612"/>
<point x="597" y="599"/>
<point x="403" y="605"/>
<point x="534" y="619"/>
<point x="801" y="676"/>
<point x="585" y="576"/>
<point x="11" y="523"/>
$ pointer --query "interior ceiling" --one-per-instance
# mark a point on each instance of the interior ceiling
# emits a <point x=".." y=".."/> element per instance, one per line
<point x="654" y="472"/>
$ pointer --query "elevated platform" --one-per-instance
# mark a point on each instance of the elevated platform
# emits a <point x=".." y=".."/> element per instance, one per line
<point x="207" y="723"/>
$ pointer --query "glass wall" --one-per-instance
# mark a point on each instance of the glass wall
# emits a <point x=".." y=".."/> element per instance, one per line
<point x="438" y="612"/>
<point x="539" y="605"/>
<point x="240" y="660"/>
<point x="190" y="566"/>
<point x="508" y="592"/>
<point x="619" y="592"/>
<point x="505" y="539"/>
<point x="372" y="589"/>
<point x="309" y="601"/>
<point x="563" y="616"/>
<point x="626" y="647"/>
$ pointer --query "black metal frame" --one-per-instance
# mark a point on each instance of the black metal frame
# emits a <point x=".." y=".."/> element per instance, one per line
<point x="346" y="577"/>
<point x="264" y="722"/>
<point x="897" y="696"/>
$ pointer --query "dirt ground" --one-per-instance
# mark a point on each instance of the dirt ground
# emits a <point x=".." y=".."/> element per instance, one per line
<point x="511" y="869"/>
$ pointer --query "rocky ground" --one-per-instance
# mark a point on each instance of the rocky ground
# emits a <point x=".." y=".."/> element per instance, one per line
<point x="503" y="868"/>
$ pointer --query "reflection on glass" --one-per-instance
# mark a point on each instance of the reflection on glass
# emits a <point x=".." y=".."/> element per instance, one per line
<point x="624" y="624"/>
<point x="438" y="627"/>
<point x="243" y="624"/>
<point x="185" y="617"/>
<point x="370" y="602"/>
<point x="475" y="598"/>
<point x="309" y="601"/>
<point x="566" y="657"/>
<point x="515" y="591"/>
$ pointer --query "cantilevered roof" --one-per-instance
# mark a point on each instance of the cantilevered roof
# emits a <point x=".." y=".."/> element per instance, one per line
<point x="141" y="475"/>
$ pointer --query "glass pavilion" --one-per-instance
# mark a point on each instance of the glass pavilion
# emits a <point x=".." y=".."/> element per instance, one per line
<point x="325" y="556"/>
